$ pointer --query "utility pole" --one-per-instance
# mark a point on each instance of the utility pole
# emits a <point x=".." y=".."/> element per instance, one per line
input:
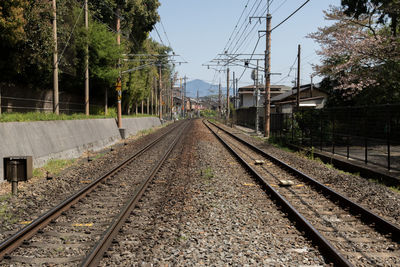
<point x="256" y="121"/>
<point x="234" y="90"/>
<point x="311" y="87"/>
<point x="159" y="93"/>
<point x="267" y="111"/>
<point x="219" y="99"/>
<point x="227" y="95"/>
<point x="237" y="92"/>
<point x="197" y="107"/>
<point x="56" y="108"/>
<point x="184" y="96"/>
<point x="181" y="91"/>
<point x="87" y="61"/>
<point x="298" y="78"/>
<point x="172" y="97"/>
<point x="119" y="109"/>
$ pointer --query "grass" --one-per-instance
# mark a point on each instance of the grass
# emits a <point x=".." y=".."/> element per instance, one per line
<point x="41" y="116"/>
<point x="53" y="166"/>
<point x="207" y="173"/>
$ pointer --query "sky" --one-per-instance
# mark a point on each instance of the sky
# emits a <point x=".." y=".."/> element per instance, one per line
<point x="199" y="30"/>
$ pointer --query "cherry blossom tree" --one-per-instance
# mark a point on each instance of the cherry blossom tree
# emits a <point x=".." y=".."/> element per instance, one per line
<point x="359" y="54"/>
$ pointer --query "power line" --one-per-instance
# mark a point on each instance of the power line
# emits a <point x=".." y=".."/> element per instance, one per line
<point x="294" y="12"/>
<point x="159" y="36"/>
<point x="276" y="9"/>
<point x="70" y="35"/>
<point x="162" y="25"/>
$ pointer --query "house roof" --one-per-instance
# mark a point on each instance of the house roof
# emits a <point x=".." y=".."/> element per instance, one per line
<point x="292" y="92"/>
<point x="250" y="88"/>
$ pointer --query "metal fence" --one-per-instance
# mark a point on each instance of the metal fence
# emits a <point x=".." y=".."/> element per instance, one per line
<point x="370" y="134"/>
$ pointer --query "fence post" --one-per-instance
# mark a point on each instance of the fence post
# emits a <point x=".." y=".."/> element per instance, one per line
<point x="388" y="133"/>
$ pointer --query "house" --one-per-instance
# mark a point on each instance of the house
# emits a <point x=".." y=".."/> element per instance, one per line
<point x="247" y="97"/>
<point x="311" y="96"/>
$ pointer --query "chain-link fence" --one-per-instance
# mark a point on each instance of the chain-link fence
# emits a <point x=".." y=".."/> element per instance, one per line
<point x="370" y="134"/>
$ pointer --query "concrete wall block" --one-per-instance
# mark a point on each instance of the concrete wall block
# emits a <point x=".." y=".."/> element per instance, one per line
<point x="46" y="140"/>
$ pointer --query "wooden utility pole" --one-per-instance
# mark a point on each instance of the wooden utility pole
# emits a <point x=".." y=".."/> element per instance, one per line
<point x="119" y="109"/>
<point x="87" y="60"/>
<point x="298" y="78"/>
<point x="159" y="93"/>
<point x="267" y="112"/>
<point x="227" y="95"/>
<point x="56" y="107"/>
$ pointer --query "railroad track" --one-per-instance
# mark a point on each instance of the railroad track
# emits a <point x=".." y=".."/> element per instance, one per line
<point x="80" y="229"/>
<point x="344" y="231"/>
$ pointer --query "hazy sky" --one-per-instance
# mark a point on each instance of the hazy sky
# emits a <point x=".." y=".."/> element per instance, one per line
<point x="199" y="30"/>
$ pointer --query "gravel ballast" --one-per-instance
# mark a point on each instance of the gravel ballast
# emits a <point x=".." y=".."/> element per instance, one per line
<point x="204" y="209"/>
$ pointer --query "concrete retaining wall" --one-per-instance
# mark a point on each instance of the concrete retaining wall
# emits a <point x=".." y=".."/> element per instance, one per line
<point x="45" y="140"/>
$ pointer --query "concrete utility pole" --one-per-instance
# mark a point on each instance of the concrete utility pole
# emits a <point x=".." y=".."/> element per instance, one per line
<point x="227" y="95"/>
<point x="184" y="96"/>
<point x="56" y="107"/>
<point x="172" y="97"/>
<point x="87" y="61"/>
<point x="267" y="111"/>
<point x="298" y="78"/>
<point x="119" y="109"/>
<point x="181" y="91"/>
<point x="197" y="107"/>
<point x="311" y="87"/>
<point x="159" y="93"/>
<point x="256" y="121"/>
<point x="219" y="99"/>
<point x="233" y="90"/>
<point x="237" y="92"/>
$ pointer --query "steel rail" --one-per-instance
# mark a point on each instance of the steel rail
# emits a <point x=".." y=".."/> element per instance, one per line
<point x="95" y="256"/>
<point x="14" y="241"/>
<point x="325" y="246"/>
<point x="367" y="216"/>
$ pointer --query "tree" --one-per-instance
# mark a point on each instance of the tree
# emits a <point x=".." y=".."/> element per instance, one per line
<point x="360" y="55"/>
<point x="388" y="11"/>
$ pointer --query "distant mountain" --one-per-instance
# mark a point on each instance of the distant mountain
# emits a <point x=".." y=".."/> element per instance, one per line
<point x="204" y="88"/>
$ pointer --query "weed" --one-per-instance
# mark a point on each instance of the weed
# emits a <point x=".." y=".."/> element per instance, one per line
<point x="53" y="166"/>
<point x="207" y="173"/>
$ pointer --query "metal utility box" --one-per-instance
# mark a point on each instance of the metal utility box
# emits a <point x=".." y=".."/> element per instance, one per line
<point x="24" y="168"/>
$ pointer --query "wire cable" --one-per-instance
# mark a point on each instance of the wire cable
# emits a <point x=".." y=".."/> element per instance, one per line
<point x="294" y="12"/>
<point x="70" y="35"/>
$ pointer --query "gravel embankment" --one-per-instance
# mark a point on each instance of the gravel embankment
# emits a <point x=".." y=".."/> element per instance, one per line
<point x="204" y="209"/>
